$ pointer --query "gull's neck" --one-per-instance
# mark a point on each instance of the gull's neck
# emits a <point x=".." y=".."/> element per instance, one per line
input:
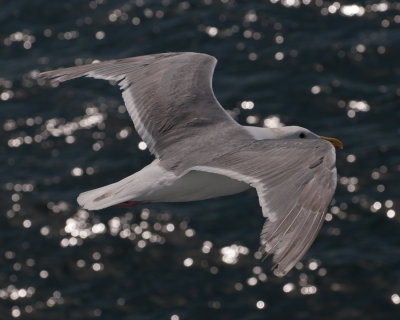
<point x="263" y="133"/>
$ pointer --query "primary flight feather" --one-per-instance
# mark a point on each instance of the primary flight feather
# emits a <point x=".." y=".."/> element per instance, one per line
<point x="201" y="152"/>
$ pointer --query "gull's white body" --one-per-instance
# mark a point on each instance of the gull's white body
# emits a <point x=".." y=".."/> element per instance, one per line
<point x="155" y="184"/>
<point x="201" y="152"/>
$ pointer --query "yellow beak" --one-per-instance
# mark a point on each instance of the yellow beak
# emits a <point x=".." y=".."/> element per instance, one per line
<point x="336" y="142"/>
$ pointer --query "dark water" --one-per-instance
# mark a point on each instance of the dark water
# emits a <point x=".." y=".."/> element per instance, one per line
<point x="330" y="67"/>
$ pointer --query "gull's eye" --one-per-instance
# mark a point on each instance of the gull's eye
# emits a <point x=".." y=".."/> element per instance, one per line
<point x="302" y="135"/>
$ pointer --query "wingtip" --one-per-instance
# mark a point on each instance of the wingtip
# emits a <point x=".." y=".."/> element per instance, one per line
<point x="279" y="273"/>
<point x="80" y="201"/>
<point x="44" y="75"/>
<point x="50" y="75"/>
<point x="280" y="270"/>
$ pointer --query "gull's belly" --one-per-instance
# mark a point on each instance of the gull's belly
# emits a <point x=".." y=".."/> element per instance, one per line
<point x="197" y="185"/>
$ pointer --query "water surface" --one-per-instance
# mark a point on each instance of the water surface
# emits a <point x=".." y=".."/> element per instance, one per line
<point x="329" y="66"/>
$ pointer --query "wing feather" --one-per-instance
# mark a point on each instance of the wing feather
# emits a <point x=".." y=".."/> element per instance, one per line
<point x="295" y="181"/>
<point x="165" y="94"/>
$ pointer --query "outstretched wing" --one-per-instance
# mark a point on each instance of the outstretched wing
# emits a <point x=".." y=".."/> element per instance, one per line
<point x="295" y="181"/>
<point x="165" y="94"/>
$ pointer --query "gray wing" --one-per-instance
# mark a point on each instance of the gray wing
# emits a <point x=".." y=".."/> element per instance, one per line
<point x="295" y="182"/>
<point x="165" y="94"/>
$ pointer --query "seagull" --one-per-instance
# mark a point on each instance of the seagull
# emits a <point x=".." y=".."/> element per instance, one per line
<point x="201" y="152"/>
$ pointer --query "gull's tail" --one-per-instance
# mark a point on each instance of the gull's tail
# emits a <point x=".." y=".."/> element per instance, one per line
<point x="140" y="186"/>
<point x="108" y="196"/>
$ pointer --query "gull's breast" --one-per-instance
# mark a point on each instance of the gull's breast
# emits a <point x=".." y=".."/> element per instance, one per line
<point x="197" y="185"/>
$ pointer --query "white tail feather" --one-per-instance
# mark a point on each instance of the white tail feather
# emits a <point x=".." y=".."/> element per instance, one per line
<point x="106" y="196"/>
<point x="144" y="185"/>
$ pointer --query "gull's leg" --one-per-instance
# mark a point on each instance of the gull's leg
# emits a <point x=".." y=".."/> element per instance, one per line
<point x="127" y="204"/>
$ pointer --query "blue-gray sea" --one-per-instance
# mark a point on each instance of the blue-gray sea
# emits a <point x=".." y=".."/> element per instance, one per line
<point x="330" y="66"/>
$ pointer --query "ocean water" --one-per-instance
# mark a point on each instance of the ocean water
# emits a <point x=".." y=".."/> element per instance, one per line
<point x="330" y="66"/>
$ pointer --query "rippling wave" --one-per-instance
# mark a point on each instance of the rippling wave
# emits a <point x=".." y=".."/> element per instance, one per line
<point x="330" y="66"/>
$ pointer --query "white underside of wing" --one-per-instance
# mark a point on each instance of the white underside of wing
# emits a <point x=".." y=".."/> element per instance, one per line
<point x="253" y="182"/>
<point x="197" y="185"/>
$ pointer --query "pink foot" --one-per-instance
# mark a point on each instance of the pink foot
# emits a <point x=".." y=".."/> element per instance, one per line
<point x="126" y="204"/>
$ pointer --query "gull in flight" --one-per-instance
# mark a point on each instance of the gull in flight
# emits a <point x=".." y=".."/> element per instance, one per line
<point x="201" y="152"/>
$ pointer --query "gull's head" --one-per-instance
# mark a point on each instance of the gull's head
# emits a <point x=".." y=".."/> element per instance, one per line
<point x="295" y="132"/>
